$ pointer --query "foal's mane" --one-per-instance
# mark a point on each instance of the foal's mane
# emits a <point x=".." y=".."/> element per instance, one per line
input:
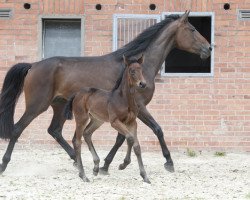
<point x="144" y="39"/>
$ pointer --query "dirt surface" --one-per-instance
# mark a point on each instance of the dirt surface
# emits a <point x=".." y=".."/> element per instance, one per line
<point x="49" y="174"/>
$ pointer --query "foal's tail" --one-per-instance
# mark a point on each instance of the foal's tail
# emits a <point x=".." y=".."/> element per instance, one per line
<point x="11" y="90"/>
<point x="68" y="108"/>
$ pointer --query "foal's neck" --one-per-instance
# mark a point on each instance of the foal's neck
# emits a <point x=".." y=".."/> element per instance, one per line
<point x="127" y="91"/>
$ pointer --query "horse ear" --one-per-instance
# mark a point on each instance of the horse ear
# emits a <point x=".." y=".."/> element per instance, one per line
<point x="125" y="60"/>
<point x="141" y="59"/>
<point x="184" y="17"/>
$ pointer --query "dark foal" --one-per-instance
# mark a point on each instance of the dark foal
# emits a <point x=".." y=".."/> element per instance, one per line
<point x="119" y="107"/>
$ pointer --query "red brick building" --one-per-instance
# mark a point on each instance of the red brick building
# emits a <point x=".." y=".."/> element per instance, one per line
<point x="206" y="110"/>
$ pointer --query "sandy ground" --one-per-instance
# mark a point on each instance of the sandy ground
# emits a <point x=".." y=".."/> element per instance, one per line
<point x="49" y="174"/>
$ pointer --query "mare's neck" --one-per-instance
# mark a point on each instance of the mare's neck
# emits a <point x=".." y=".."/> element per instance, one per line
<point x="157" y="52"/>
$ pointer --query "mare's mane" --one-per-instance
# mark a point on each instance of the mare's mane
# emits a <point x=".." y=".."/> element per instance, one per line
<point x="144" y="39"/>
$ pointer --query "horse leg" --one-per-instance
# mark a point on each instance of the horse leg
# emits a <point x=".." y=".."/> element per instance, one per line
<point x="81" y="123"/>
<point x="24" y="121"/>
<point x="137" y="150"/>
<point x="87" y="134"/>
<point x="147" y="119"/>
<point x="119" y="141"/>
<point x="127" y="160"/>
<point x="55" y="128"/>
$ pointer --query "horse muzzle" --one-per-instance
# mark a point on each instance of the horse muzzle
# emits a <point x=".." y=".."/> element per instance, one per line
<point x="205" y="52"/>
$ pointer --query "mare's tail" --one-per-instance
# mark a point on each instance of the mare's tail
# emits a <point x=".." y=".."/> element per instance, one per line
<point x="11" y="90"/>
<point x="68" y="108"/>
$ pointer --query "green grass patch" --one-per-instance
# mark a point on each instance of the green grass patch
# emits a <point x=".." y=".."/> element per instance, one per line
<point x="220" y="153"/>
<point x="191" y="153"/>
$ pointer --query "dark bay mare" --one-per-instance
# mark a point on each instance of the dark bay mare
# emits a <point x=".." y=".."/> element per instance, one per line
<point x="118" y="106"/>
<point x="52" y="81"/>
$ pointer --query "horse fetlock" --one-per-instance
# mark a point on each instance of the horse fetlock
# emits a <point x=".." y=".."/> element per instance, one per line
<point x="5" y="160"/>
<point x="95" y="170"/>
<point x="96" y="161"/>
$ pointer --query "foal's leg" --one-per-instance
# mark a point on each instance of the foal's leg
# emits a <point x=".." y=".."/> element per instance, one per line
<point x="81" y="123"/>
<point x="55" y="128"/>
<point x="147" y="119"/>
<point x="127" y="160"/>
<point x="87" y="134"/>
<point x="137" y="150"/>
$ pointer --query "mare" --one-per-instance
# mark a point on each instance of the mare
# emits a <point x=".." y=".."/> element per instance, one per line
<point x="51" y="82"/>
<point x="119" y="107"/>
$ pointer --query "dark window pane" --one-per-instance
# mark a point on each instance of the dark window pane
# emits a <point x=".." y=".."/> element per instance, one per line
<point x="179" y="61"/>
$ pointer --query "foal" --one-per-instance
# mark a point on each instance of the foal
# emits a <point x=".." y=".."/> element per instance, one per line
<point x="117" y="107"/>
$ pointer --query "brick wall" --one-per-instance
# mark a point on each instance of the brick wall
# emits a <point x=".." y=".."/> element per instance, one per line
<point x="204" y="113"/>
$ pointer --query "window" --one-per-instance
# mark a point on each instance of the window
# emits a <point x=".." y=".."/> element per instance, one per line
<point x="61" y="37"/>
<point x="181" y="63"/>
<point x="127" y="26"/>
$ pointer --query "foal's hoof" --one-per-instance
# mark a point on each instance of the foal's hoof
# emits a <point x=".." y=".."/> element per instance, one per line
<point x="169" y="167"/>
<point x="146" y="180"/>
<point x="84" y="178"/>
<point x="103" y="171"/>
<point x="122" y="166"/>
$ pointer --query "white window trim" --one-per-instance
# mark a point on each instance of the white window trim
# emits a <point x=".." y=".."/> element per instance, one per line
<point x="210" y="14"/>
<point x="129" y="16"/>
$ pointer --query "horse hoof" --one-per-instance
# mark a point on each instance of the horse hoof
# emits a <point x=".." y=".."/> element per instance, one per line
<point x="147" y="181"/>
<point x="103" y="171"/>
<point x="85" y="179"/>
<point x="122" y="167"/>
<point x="1" y="169"/>
<point x="169" y="167"/>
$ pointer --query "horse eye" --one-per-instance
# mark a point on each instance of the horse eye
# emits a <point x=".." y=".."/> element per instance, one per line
<point x="132" y="72"/>
<point x="193" y="29"/>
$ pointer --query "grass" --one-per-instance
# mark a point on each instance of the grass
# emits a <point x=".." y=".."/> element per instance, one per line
<point x="220" y="154"/>
<point x="248" y="196"/>
<point x="191" y="153"/>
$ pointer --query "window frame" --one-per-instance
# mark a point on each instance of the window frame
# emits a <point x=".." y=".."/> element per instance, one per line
<point x="194" y="14"/>
<point x="128" y="16"/>
<point x="59" y="17"/>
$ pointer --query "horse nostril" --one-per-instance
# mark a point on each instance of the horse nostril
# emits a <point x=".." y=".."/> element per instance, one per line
<point x="210" y="48"/>
<point x="142" y="85"/>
